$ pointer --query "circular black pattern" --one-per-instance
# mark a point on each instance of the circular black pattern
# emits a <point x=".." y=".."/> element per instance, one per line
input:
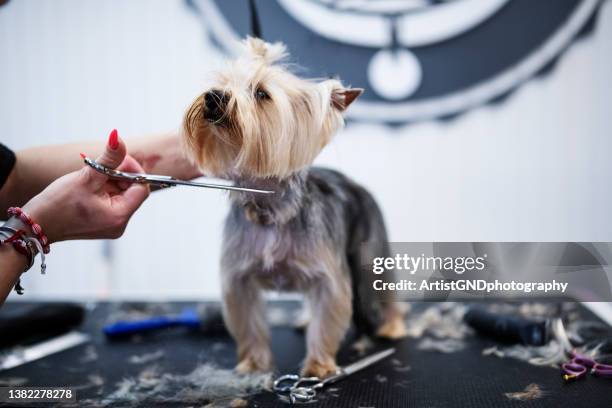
<point x="486" y="61"/>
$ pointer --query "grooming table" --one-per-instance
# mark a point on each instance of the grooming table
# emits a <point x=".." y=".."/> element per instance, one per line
<point x="410" y="378"/>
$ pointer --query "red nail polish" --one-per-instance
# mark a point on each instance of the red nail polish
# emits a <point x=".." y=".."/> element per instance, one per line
<point x="113" y="139"/>
<point x="83" y="156"/>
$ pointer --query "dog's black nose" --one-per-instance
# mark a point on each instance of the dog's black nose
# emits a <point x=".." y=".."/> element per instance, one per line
<point x="215" y="102"/>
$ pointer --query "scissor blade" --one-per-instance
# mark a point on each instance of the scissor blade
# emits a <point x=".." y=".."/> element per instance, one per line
<point x="218" y="186"/>
<point x="43" y="349"/>
<point x="163" y="181"/>
<point x="367" y="361"/>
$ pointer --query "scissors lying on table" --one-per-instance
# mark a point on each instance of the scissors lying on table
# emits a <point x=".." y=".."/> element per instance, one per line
<point x="580" y="365"/>
<point x="162" y="181"/>
<point x="304" y="389"/>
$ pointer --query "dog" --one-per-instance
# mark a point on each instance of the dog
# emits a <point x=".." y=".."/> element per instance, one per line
<point x="262" y="126"/>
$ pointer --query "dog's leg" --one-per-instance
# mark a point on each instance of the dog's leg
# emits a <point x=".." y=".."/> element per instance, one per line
<point x="330" y="302"/>
<point x="375" y="312"/>
<point x="393" y="325"/>
<point x="244" y="314"/>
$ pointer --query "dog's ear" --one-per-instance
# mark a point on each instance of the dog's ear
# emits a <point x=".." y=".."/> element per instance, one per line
<point x="270" y="53"/>
<point x="342" y="97"/>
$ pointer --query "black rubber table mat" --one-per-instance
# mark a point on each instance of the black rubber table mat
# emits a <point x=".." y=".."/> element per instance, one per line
<point x="411" y="378"/>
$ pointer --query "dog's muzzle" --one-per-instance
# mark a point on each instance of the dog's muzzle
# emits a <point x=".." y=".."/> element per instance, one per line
<point x="215" y="103"/>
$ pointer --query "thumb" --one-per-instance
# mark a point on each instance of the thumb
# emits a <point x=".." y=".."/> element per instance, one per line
<point x="113" y="156"/>
<point x="115" y="151"/>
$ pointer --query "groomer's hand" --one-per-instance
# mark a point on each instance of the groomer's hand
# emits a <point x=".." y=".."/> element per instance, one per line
<point x="86" y="204"/>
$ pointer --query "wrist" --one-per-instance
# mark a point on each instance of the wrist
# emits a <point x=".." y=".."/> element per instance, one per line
<point x="14" y="234"/>
<point x="35" y="230"/>
<point x="41" y="216"/>
<point x="26" y="238"/>
<point x="14" y="263"/>
<point x="16" y="223"/>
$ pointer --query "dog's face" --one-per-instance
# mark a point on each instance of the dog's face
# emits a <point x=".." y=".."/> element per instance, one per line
<point x="260" y="120"/>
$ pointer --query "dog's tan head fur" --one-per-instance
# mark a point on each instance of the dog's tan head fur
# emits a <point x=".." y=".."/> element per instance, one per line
<point x="260" y="120"/>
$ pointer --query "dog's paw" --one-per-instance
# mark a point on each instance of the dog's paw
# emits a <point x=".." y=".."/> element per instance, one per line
<point x="393" y="329"/>
<point x="319" y="369"/>
<point x="252" y="365"/>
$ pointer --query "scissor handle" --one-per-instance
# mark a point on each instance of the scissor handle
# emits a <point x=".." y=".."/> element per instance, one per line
<point x="602" y="370"/>
<point x="583" y="361"/>
<point x="288" y="379"/>
<point x="302" y="394"/>
<point x="573" y="371"/>
<point x="286" y="383"/>
<point x="121" y="175"/>
<point x="297" y="387"/>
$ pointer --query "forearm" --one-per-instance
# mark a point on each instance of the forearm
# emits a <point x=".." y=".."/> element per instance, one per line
<point x="12" y="264"/>
<point x="38" y="167"/>
<point x="163" y="154"/>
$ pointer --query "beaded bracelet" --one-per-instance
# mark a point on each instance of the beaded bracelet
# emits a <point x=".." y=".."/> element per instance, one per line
<point x="37" y="229"/>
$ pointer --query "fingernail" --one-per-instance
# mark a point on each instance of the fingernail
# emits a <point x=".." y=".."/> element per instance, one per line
<point x="83" y="156"/>
<point x="113" y="139"/>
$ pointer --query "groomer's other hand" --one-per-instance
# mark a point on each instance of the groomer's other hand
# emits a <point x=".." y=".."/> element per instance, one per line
<point x="86" y="204"/>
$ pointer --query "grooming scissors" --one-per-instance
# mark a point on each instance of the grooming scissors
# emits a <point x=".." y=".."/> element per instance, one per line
<point x="304" y="389"/>
<point x="580" y="365"/>
<point x="162" y="181"/>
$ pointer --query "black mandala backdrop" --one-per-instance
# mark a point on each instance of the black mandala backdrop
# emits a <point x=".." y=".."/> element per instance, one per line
<point x="417" y="59"/>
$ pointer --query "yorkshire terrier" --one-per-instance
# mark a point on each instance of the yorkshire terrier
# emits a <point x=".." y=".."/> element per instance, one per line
<point x="262" y="126"/>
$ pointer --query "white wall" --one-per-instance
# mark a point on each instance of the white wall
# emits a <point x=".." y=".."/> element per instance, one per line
<point x="535" y="168"/>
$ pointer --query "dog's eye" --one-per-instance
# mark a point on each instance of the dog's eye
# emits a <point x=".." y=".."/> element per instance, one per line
<point x="261" y="94"/>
